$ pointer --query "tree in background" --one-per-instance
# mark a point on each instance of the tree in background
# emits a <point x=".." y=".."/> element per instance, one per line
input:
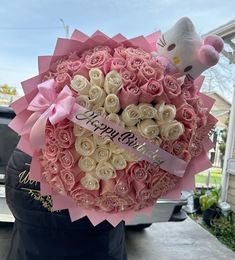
<point x="6" y="89"/>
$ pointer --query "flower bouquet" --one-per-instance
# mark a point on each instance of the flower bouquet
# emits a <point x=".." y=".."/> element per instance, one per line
<point x="112" y="127"/>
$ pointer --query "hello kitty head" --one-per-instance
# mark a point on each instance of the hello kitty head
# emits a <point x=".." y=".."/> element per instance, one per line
<point x="186" y="51"/>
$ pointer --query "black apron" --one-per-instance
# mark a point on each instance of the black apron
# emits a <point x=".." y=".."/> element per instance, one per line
<point x="40" y="234"/>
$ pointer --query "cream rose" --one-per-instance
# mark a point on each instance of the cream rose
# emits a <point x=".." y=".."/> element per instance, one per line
<point x="113" y="82"/>
<point x="147" y="111"/>
<point x="130" y="157"/>
<point x="131" y="115"/>
<point x="89" y="182"/>
<point x="96" y="77"/>
<point x="99" y="111"/>
<point x="80" y="84"/>
<point x="114" y="148"/>
<point x="148" y="129"/>
<point x="118" y="162"/>
<point x="111" y="104"/>
<point x="83" y="101"/>
<point x="105" y="171"/>
<point x="97" y="96"/>
<point x="79" y="130"/>
<point x="100" y="141"/>
<point x="85" y="146"/>
<point x="114" y="118"/>
<point x="102" y="153"/>
<point x="165" y="113"/>
<point x="172" y="130"/>
<point x="87" y="164"/>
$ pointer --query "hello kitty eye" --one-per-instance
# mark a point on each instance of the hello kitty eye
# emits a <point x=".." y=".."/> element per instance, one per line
<point x="188" y="68"/>
<point x="171" y="47"/>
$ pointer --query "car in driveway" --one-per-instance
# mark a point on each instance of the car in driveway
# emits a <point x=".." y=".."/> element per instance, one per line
<point x="164" y="211"/>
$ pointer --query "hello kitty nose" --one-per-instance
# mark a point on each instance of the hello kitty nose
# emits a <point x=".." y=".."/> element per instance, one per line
<point x="176" y="60"/>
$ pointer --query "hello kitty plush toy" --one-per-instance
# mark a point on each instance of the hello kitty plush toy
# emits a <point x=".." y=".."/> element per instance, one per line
<point x="183" y="51"/>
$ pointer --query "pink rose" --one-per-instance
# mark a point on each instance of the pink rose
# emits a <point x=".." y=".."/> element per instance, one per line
<point x="150" y="91"/>
<point x="171" y="86"/>
<point x="68" y="158"/>
<point x="134" y="63"/>
<point x="77" y="67"/>
<point x="97" y="60"/>
<point x="83" y="197"/>
<point x="114" y="64"/>
<point x="53" y="167"/>
<point x="57" y="185"/>
<point x="186" y="115"/>
<point x="167" y="146"/>
<point x="120" y="52"/>
<point x="145" y="73"/>
<point x="143" y="195"/>
<point x="50" y="134"/>
<point x="160" y="187"/>
<point x="102" y="48"/>
<point x="128" y="77"/>
<point x="195" y="147"/>
<point x="109" y="202"/>
<point x="138" y="171"/>
<point x="64" y="136"/>
<point x="51" y="151"/>
<point x="122" y="187"/>
<point x="68" y="178"/>
<point x="129" y="94"/>
<point x="86" y="55"/>
<point x="62" y="67"/>
<point x="61" y="80"/>
<point x="159" y="68"/>
<point x="178" y="147"/>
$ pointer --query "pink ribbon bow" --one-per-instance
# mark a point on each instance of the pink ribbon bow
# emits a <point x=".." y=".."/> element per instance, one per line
<point x="47" y="105"/>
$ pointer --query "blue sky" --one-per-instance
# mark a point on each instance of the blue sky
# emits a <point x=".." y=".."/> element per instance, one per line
<point x="29" y="28"/>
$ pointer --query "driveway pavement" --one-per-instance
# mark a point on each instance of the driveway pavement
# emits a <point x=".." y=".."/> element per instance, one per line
<point x="164" y="241"/>
<point x="176" y="241"/>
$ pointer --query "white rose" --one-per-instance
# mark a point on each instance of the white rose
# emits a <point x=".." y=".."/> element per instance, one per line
<point x="80" y="84"/>
<point x="99" y="111"/>
<point x="78" y="130"/>
<point x="113" y="82"/>
<point x="89" y="182"/>
<point x="102" y="153"/>
<point x="118" y="162"/>
<point x="87" y="164"/>
<point x="130" y="157"/>
<point x="131" y="115"/>
<point x="85" y="145"/>
<point x="83" y="101"/>
<point x="165" y="113"/>
<point x="172" y="130"/>
<point x="147" y="111"/>
<point x="148" y="129"/>
<point x="111" y="104"/>
<point x="114" y="118"/>
<point x="100" y="141"/>
<point x="96" y="77"/>
<point x="114" y="148"/>
<point x="97" y="96"/>
<point x="105" y="171"/>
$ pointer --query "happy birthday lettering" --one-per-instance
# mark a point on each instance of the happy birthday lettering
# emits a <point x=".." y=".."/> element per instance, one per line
<point x="118" y="135"/>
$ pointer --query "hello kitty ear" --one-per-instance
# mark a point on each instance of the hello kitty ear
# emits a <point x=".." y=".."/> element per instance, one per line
<point x="208" y="55"/>
<point x="215" y="41"/>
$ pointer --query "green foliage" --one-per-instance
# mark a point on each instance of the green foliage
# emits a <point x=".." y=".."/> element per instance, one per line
<point x="210" y="199"/>
<point x="6" y="89"/>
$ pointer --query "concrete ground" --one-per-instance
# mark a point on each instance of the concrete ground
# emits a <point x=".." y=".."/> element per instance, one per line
<point x="163" y="241"/>
<point x="175" y="241"/>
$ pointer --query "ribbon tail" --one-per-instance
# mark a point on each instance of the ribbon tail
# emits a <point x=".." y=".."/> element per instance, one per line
<point x="29" y="123"/>
<point x="37" y="134"/>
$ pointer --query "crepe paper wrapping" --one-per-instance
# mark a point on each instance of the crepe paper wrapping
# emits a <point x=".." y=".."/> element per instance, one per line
<point x="81" y="42"/>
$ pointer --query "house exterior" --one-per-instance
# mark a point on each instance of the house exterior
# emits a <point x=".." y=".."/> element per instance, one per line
<point x="220" y="110"/>
<point x="227" y="32"/>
